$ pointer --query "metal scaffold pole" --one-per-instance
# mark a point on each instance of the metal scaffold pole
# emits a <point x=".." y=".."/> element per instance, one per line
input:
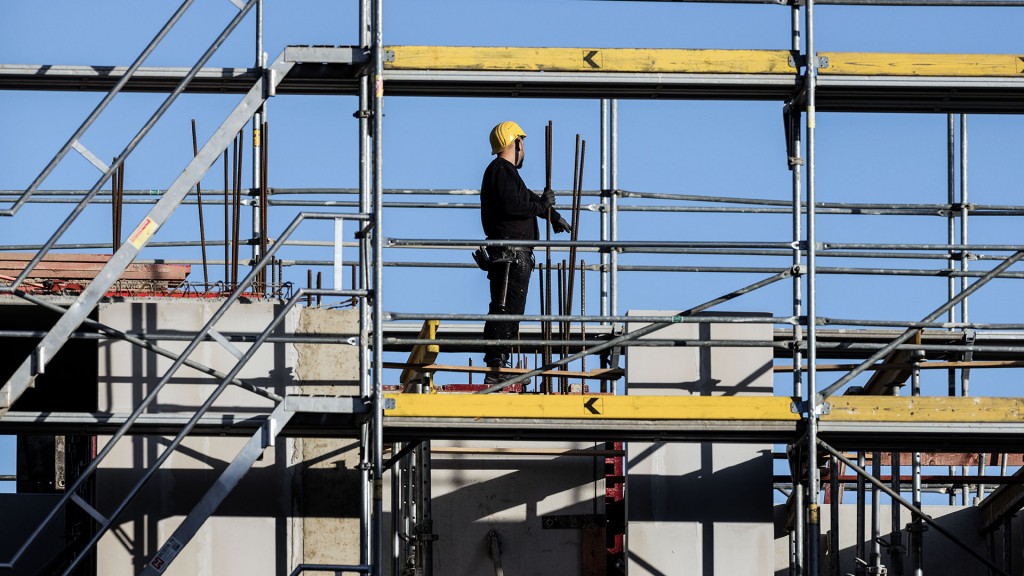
<point x="377" y="416"/>
<point x="613" y="217"/>
<point x="257" y="145"/>
<point x="605" y="143"/>
<point x="811" y="407"/>
<point x="366" y="428"/>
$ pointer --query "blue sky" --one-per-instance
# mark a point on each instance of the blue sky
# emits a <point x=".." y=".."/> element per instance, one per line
<point x="688" y="147"/>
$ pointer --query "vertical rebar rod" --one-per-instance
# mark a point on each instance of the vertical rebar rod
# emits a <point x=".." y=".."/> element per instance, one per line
<point x="199" y="203"/>
<point x="951" y="239"/>
<point x="561" y="325"/>
<point x="583" y="325"/>
<point x="574" y="219"/>
<point x="227" y="222"/>
<point x="605" y="141"/>
<point x="548" y="154"/>
<point x="265" y="196"/>
<point x="813" y="526"/>
<point x="319" y="286"/>
<point x="378" y="278"/>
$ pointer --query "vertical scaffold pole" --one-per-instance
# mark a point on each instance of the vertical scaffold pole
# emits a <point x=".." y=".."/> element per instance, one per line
<point x="613" y="181"/>
<point x="813" y="523"/>
<point x="950" y="240"/>
<point x="366" y="432"/>
<point x="257" y="143"/>
<point x="916" y="536"/>
<point x="795" y="163"/>
<point x="378" y="281"/>
<point x="965" y="373"/>
<point x="605" y="143"/>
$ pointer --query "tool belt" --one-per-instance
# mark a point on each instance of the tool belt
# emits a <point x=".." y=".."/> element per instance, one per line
<point x="488" y="257"/>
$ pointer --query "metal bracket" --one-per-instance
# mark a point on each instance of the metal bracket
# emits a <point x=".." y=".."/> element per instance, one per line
<point x="822" y="61"/>
<point x="389" y="403"/>
<point x="821" y="408"/>
<point x="362" y="114"/>
<point x="388" y="55"/>
<point x="797" y="60"/>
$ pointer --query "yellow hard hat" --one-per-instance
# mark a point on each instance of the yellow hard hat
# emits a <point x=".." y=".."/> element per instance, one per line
<point x="504" y="134"/>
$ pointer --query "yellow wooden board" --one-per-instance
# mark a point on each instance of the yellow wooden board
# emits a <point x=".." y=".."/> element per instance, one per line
<point x="746" y="408"/>
<point x="591" y="407"/>
<point x="590" y="60"/>
<point x="892" y="64"/>
<point x="924" y="409"/>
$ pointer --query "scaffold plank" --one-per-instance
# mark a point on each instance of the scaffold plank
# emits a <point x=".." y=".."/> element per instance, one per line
<point x="897" y="64"/>
<point x="590" y="60"/>
<point x="591" y="407"/>
<point x="898" y="409"/>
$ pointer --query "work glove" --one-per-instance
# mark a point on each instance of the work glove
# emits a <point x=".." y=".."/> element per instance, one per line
<point x="547" y="199"/>
<point x="560" y="226"/>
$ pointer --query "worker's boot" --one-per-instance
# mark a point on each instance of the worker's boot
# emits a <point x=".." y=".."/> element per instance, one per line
<point x="500" y="361"/>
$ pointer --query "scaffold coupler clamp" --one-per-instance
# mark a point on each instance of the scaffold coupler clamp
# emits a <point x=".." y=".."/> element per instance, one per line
<point x="821" y="407"/>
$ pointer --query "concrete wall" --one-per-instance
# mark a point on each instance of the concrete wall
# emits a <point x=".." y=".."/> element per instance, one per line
<point x="291" y="503"/>
<point x="699" y="508"/>
<point x="474" y="493"/>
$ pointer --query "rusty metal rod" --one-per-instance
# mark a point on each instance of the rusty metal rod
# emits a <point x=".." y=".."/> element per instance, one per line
<point x="319" y="286"/>
<point x="227" y="223"/>
<point x="577" y="188"/>
<point x="199" y="203"/>
<point x="583" y="312"/>
<point x="264" y="196"/>
<point x="547" y="258"/>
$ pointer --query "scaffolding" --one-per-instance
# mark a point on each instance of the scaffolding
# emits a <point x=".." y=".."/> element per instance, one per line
<point x="818" y="426"/>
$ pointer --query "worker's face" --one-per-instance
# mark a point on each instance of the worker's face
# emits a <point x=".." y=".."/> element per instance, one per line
<point x="520" y="152"/>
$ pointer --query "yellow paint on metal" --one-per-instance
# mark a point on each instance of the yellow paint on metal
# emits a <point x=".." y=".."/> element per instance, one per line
<point x="767" y="408"/>
<point x="924" y="409"/>
<point x="590" y="60"/>
<point x="891" y="64"/>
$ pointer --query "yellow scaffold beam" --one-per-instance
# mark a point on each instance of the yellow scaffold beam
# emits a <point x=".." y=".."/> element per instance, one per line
<point x="893" y="64"/>
<point x="880" y="409"/>
<point x="591" y="407"/>
<point x="590" y="60"/>
<point x="925" y="409"/>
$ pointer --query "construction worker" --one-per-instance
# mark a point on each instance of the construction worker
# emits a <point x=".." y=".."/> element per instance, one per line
<point x="509" y="211"/>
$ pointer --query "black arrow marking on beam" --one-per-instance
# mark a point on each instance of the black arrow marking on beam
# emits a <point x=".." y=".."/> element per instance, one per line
<point x="589" y="59"/>
<point x="589" y="405"/>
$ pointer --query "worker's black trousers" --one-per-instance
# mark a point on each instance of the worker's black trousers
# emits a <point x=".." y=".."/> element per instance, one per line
<point x="509" y="276"/>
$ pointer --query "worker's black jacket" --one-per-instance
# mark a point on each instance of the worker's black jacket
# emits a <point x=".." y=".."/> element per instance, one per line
<point x="508" y="210"/>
